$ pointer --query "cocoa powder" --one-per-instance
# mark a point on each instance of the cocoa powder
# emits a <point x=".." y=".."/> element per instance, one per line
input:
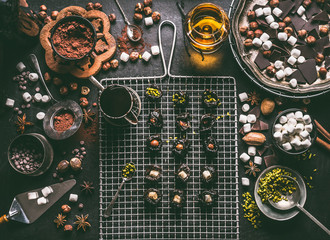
<point x="63" y="121"/>
<point x="126" y="45"/>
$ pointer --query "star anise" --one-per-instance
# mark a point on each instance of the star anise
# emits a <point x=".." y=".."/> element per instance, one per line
<point x="254" y="98"/>
<point x="87" y="187"/>
<point x="60" y="220"/>
<point x="22" y="123"/>
<point x="82" y="223"/>
<point x="252" y="169"/>
<point x="88" y="116"/>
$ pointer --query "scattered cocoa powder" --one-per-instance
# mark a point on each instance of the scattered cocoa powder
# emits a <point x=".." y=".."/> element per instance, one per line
<point x="63" y="121"/>
<point x="128" y="46"/>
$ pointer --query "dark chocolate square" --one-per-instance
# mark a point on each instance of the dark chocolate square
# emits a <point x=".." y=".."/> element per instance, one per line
<point x="314" y="34"/>
<point x="320" y="44"/>
<point x="272" y="33"/>
<point x="307" y="51"/>
<point x="262" y="23"/>
<point x="308" y="70"/>
<point x="297" y="4"/>
<point x="309" y="26"/>
<point x="261" y="61"/>
<point x="286" y="7"/>
<point x="312" y="10"/>
<point x="275" y="55"/>
<point x="321" y="17"/>
<point x="297" y="22"/>
<point x="298" y="76"/>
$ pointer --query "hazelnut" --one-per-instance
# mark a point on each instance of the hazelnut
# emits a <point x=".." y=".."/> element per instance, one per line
<point x="154" y="143"/>
<point x="42" y="15"/>
<point x="98" y="6"/>
<point x="48" y="19"/>
<point x="139" y="8"/>
<point x="63" y="166"/>
<point x="73" y="86"/>
<point x="302" y="33"/>
<point x="106" y="66"/>
<point x="274" y="3"/>
<point x="267" y="53"/>
<point x="114" y="63"/>
<point x="147" y="3"/>
<point x="66" y="208"/>
<point x="324" y="31"/>
<point x="54" y="15"/>
<point x="57" y="81"/>
<point x="89" y="6"/>
<point x="64" y="90"/>
<point x="83" y="102"/>
<point x="281" y="26"/>
<point x="323" y="72"/>
<point x="134" y="56"/>
<point x="306" y="3"/>
<point x="319" y="59"/>
<point x="75" y="164"/>
<point x="253" y="25"/>
<point x="43" y="8"/>
<point x="85" y="90"/>
<point x="310" y="40"/>
<point x="243" y="30"/>
<point x="251" y="15"/>
<point x="147" y="11"/>
<point x="258" y="33"/>
<point x="288" y="30"/>
<point x="250" y="34"/>
<point x="287" y="20"/>
<point x="179" y="147"/>
<point x="155" y="17"/>
<point x="47" y="77"/>
<point x="270" y="70"/>
<point x="68" y="228"/>
<point x="137" y="17"/>
<point x="248" y="43"/>
<point x="112" y="17"/>
<point x="210" y="146"/>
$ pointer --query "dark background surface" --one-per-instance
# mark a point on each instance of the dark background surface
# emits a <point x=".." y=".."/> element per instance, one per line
<point x="220" y="63"/>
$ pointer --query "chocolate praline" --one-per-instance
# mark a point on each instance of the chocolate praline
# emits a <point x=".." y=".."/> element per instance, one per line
<point x="154" y="143"/>
<point x="153" y="173"/>
<point x="207" y="122"/>
<point x="180" y="147"/>
<point x="180" y="99"/>
<point x="152" y="196"/>
<point x="183" y="121"/>
<point x="208" y="198"/>
<point x="183" y="173"/>
<point x="177" y="198"/>
<point x="210" y="99"/>
<point x="153" y="93"/>
<point x="155" y="119"/>
<point x="208" y="175"/>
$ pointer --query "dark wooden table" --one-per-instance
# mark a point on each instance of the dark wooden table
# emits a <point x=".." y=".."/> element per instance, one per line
<point x="220" y="63"/>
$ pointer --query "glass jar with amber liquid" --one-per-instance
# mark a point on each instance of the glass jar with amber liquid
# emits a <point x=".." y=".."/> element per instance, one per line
<point x="207" y="27"/>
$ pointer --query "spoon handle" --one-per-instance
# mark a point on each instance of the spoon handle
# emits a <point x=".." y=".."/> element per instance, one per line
<point x="313" y="219"/>
<point x="108" y="211"/>
<point x="122" y="12"/>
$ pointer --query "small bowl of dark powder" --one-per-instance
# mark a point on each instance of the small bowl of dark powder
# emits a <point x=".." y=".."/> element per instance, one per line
<point x="73" y="38"/>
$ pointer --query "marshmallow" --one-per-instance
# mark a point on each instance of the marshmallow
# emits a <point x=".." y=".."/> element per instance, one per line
<point x="37" y="97"/>
<point x="296" y="142"/>
<point x="306" y="143"/>
<point x="301" y="59"/>
<point x="292" y="60"/>
<point x="299" y="128"/>
<point x="269" y="19"/>
<point x="245" y="181"/>
<point x="252" y="150"/>
<point x="298" y="115"/>
<point x="244" y="157"/>
<point x="277" y="12"/>
<point x="46" y="191"/>
<point x="264" y="37"/>
<point x="282" y="36"/>
<point x="247" y="127"/>
<point x="45" y="99"/>
<point x="146" y="56"/>
<point x="259" y="12"/>
<point x="32" y="195"/>
<point x="290" y="129"/>
<point x="280" y="75"/>
<point x="292" y="40"/>
<point x="245" y="107"/>
<point x="27" y="97"/>
<point x="148" y="21"/>
<point x="307" y="119"/>
<point x="277" y="127"/>
<point x="304" y="134"/>
<point x="285" y="134"/>
<point x="292" y="121"/>
<point x="20" y="67"/>
<point x="287" y="146"/>
<point x="274" y="25"/>
<point x="267" y="11"/>
<point x="258" y="160"/>
<point x="243" y="118"/>
<point x="33" y="77"/>
<point x="301" y="10"/>
<point x="155" y="50"/>
<point x="288" y="71"/>
<point x="243" y="96"/>
<point x="295" y="52"/>
<point x="293" y="83"/>
<point x="278" y="64"/>
<point x="251" y="118"/>
<point x="42" y="201"/>
<point x="309" y="127"/>
<point x="257" y="42"/>
<point x="290" y="115"/>
<point x="278" y="136"/>
<point x="124" y="57"/>
<point x="73" y="197"/>
<point x="285" y="126"/>
<point x="10" y="102"/>
<point x="40" y="115"/>
<point x="283" y="119"/>
<point x="267" y="45"/>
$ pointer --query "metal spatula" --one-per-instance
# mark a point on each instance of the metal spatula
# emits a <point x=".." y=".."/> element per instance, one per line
<point x="27" y="211"/>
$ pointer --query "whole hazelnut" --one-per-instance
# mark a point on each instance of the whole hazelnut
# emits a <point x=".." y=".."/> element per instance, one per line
<point x="210" y="146"/>
<point x="147" y="3"/>
<point x="64" y="90"/>
<point x="179" y="147"/>
<point x="57" y="81"/>
<point x="248" y="43"/>
<point x="139" y="8"/>
<point x="106" y="66"/>
<point x="287" y="20"/>
<point x="75" y="164"/>
<point x="114" y="63"/>
<point x="42" y="15"/>
<point x="250" y="34"/>
<point x="323" y="72"/>
<point x="270" y="70"/>
<point x="98" y="6"/>
<point x="73" y="86"/>
<point x="68" y="228"/>
<point x="47" y="77"/>
<point x="137" y="17"/>
<point x="258" y="33"/>
<point x="54" y="15"/>
<point x="274" y="3"/>
<point x="134" y="56"/>
<point x="306" y="3"/>
<point x="243" y="30"/>
<point x="319" y="59"/>
<point x="63" y="166"/>
<point x="324" y="31"/>
<point x="66" y="208"/>
<point x="85" y="90"/>
<point x="154" y="143"/>
<point x="310" y="40"/>
<point x="253" y="25"/>
<point x="267" y="53"/>
<point x="302" y="33"/>
<point x="155" y="17"/>
<point x="288" y="30"/>
<point x="147" y="11"/>
<point x="89" y="6"/>
<point x="112" y="17"/>
<point x="43" y="8"/>
<point x="48" y="19"/>
<point x="251" y="15"/>
<point x="281" y="26"/>
<point x="83" y="102"/>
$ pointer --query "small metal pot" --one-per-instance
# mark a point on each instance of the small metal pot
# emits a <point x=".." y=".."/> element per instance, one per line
<point x="48" y="153"/>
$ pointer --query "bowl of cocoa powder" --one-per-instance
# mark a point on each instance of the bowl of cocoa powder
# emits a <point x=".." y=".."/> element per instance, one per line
<point x="73" y="38"/>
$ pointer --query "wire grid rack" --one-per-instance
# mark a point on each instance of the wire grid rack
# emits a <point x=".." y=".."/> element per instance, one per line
<point x="130" y="218"/>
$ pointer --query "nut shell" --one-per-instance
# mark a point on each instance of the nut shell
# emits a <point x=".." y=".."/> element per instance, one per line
<point x="63" y="166"/>
<point x="254" y="139"/>
<point x="75" y="164"/>
<point x="267" y="106"/>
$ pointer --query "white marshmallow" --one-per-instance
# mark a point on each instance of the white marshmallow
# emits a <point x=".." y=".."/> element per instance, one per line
<point x="287" y="146"/>
<point x="259" y="12"/>
<point x="243" y="96"/>
<point x="278" y="127"/>
<point x="245" y="107"/>
<point x="295" y="52"/>
<point x="267" y="45"/>
<point x="309" y="127"/>
<point x="293" y="83"/>
<point x="283" y="119"/>
<point x="124" y="57"/>
<point x="292" y="60"/>
<point x="155" y="50"/>
<point x="290" y="129"/>
<point x="301" y="59"/>
<point x="274" y="25"/>
<point x="42" y="201"/>
<point x="277" y="12"/>
<point x="282" y="36"/>
<point x="269" y="19"/>
<point x="146" y="56"/>
<point x="20" y="67"/>
<point x="10" y="102"/>
<point x="27" y="97"/>
<point x="267" y="11"/>
<point x="32" y="195"/>
<point x="33" y="77"/>
<point x="299" y="128"/>
<point x="252" y="150"/>
<point x="278" y="64"/>
<point x="307" y="119"/>
<point x="290" y="115"/>
<point x="257" y="42"/>
<point x="251" y="118"/>
<point x="45" y="99"/>
<point x="306" y="143"/>
<point x="244" y="157"/>
<point x="292" y="40"/>
<point x="292" y="121"/>
<point x="278" y="136"/>
<point x="280" y="75"/>
<point x="298" y="115"/>
<point x="247" y="127"/>
<point x="264" y="37"/>
<point x="285" y="126"/>
<point x="304" y="134"/>
<point x="73" y="197"/>
<point x="288" y="71"/>
<point x="245" y="181"/>
<point x="296" y="142"/>
<point x="301" y="10"/>
<point x="40" y="115"/>
<point x="37" y="97"/>
<point x="258" y="160"/>
<point x="148" y="21"/>
<point x="243" y="118"/>
<point x="285" y="134"/>
<point x="46" y="191"/>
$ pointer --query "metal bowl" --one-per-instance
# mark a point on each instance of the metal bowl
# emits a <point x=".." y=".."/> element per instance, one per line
<point x="273" y="213"/>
